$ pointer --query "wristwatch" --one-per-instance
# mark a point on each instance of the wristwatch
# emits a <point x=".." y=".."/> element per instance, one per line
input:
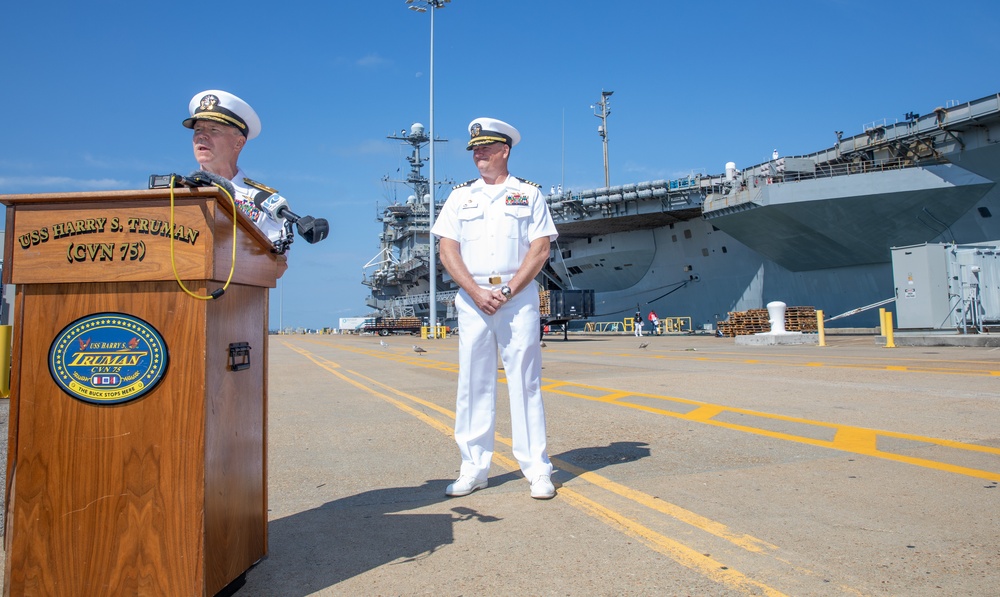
<point x="505" y="291"/>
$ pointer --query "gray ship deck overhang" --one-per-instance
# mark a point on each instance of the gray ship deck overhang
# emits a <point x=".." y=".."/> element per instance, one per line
<point x="851" y="220"/>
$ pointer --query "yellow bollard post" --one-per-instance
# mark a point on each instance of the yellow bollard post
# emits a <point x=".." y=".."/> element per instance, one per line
<point x="820" y="328"/>
<point x="5" y="348"/>
<point x="887" y="326"/>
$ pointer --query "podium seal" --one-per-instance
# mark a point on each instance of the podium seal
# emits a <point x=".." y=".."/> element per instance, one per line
<point x="108" y="358"/>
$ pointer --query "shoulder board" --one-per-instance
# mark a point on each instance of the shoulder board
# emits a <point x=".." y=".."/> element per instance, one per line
<point x="257" y="185"/>
<point x="465" y="184"/>
<point x="526" y="181"/>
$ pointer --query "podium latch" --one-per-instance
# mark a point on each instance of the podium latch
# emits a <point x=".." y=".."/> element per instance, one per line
<point x="239" y="356"/>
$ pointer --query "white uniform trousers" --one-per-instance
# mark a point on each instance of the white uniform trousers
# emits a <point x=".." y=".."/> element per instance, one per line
<point x="514" y="329"/>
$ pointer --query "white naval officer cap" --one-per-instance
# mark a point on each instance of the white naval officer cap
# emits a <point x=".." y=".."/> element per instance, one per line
<point x="483" y="131"/>
<point x="224" y="107"/>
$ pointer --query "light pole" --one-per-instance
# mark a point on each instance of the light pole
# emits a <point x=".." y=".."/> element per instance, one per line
<point x="421" y="6"/>
<point x="605" y="106"/>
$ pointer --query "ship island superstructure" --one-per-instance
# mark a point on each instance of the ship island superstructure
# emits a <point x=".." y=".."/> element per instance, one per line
<point x="399" y="274"/>
<point x="813" y="229"/>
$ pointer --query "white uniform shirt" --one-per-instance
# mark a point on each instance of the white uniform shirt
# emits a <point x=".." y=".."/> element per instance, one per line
<point x="244" y="200"/>
<point x="495" y="224"/>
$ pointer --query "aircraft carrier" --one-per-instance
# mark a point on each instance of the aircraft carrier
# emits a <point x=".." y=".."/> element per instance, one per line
<point x="809" y="230"/>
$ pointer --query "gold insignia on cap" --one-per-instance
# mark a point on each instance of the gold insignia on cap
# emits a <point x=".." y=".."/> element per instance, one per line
<point x="477" y="129"/>
<point x="209" y="102"/>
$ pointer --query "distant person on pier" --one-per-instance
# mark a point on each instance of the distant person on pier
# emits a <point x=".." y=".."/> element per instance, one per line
<point x="637" y="323"/>
<point x="222" y="124"/>
<point x="494" y="234"/>
<point x="654" y="323"/>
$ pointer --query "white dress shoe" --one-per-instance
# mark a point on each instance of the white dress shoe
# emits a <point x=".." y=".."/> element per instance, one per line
<point x="542" y="488"/>
<point x="464" y="486"/>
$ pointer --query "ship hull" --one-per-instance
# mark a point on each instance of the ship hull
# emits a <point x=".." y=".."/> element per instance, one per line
<point x="702" y="274"/>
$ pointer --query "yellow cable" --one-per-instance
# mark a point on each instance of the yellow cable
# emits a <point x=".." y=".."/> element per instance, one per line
<point x="173" y="264"/>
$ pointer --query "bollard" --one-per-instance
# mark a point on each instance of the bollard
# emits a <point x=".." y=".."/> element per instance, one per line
<point x="881" y="321"/>
<point x="776" y="316"/>
<point x="887" y="328"/>
<point x="820" y="328"/>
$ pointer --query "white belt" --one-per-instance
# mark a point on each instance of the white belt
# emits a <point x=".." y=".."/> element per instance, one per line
<point x="494" y="280"/>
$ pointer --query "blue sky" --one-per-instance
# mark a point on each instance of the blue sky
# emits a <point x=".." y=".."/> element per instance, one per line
<point x="94" y="93"/>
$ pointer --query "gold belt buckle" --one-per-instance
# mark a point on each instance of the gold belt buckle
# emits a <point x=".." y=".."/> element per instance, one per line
<point x="494" y="279"/>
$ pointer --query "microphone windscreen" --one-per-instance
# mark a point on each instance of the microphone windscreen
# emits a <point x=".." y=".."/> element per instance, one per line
<point x="312" y="229"/>
<point x="320" y="229"/>
<point x="208" y="179"/>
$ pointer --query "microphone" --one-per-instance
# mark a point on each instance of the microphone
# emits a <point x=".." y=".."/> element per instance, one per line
<point x="207" y="179"/>
<point x="275" y="206"/>
<point x="163" y="181"/>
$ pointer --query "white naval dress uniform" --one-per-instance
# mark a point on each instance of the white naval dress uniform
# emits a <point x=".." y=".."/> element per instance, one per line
<point x="244" y="200"/>
<point x="495" y="225"/>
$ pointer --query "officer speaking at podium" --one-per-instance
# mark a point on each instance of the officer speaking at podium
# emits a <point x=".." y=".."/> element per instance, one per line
<point x="222" y="124"/>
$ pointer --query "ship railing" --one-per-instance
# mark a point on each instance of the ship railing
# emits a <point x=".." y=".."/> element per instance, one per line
<point x="633" y="192"/>
<point x="605" y="327"/>
<point x="763" y="175"/>
<point x="445" y="296"/>
<point x="830" y="170"/>
<point x="666" y="325"/>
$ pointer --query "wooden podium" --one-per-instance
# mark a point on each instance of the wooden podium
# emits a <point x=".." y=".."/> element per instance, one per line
<point x="112" y="494"/>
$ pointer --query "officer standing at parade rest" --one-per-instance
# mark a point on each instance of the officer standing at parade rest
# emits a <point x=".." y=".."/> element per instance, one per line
<point x="222" y="124"/>
<point x="494" y="235"/>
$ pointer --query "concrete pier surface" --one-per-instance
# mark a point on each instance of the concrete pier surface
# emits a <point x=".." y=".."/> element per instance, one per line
<point x="692" y="466"/>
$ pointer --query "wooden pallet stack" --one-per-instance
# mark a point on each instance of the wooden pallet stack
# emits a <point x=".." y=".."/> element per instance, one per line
<point x="756" y="321"/>
<point x="407" y="321"/>
<point x="544" y="303"/>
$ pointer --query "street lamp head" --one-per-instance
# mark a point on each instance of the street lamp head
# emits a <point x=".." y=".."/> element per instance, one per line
<point x="431" y="3"/>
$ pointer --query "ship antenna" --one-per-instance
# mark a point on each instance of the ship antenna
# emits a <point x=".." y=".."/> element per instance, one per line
<point x="605" y="106"/>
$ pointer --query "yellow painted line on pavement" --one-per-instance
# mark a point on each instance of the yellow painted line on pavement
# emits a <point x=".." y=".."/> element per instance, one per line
<point x="669" y="547"/>
<point x="333" y="367"/>
<point x="675" y="550"/>
<point x="614" y="396"/>
<point x="847" y="438"/>
<point x="705" y="412"/>
<point x="856" y="439"/>
<point x="718" y="529"/>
